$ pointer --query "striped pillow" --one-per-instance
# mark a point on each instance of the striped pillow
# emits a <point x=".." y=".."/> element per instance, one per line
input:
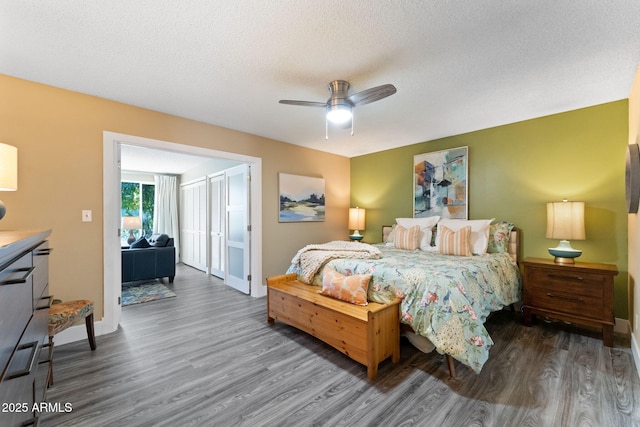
<point x="407" y="238"/>
<point x="351" y="289"/>
<point x="455" y="242"/>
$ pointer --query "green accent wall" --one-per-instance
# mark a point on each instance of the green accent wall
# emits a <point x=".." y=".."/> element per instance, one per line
<point x="514" y="170"/>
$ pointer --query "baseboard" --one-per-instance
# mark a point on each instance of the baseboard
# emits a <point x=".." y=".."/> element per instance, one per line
<point x="636" y="353"/>
<point x="622" y="326"/>
<point x="79" y="332"/>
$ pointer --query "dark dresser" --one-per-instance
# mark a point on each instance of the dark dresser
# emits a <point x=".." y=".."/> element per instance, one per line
<point x="24" y="313"/>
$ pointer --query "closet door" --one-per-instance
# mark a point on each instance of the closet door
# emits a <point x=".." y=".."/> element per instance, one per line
<point x="217" y="208"/>
<point x="194" y="224"/>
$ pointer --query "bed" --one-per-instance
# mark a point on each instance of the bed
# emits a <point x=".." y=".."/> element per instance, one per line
<point x="445" y="298"/>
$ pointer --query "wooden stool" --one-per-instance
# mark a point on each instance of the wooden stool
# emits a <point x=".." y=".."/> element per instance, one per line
<point x="64" y="314"/>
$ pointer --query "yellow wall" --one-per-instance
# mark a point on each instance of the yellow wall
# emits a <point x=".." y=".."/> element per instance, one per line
<point x="634" y="219"/>
<point x="514" y="170"/>
<point x="59" y="135"/>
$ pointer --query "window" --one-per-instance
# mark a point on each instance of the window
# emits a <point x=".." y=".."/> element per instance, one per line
<point x="135" y="195"/>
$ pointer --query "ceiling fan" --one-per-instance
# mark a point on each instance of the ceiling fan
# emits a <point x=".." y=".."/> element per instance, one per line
<point x="340" y="105"/>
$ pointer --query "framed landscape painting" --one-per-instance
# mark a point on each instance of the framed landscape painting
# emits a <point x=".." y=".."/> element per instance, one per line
<point x="301" y="198"/>
<point x="441" y="183"/>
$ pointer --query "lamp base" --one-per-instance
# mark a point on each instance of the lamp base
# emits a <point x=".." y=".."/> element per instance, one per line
<point x="3" y="209"/>
<point x="131" y="238"/>
<point x="356" y="235"/>
<point x="563" y="260"/>
<point x="564" y="253"/>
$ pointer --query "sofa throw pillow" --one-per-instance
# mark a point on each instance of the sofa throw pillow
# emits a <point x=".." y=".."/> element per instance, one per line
<point x="455" y="242"/>
<point x="499" y="235"/>
<point x="407" y="238"/>
<point x="140" y="243"/>
<point x="159" y="240"/>
<point x="352" y="289"/>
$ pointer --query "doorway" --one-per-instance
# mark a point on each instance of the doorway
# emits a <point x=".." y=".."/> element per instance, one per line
<point x="111" y="225"/>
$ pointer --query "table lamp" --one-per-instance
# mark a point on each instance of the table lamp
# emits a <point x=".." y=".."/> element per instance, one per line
<point x="356" y="222"/>
<point x="565" y="221"/>
<point x="131" y="223"/>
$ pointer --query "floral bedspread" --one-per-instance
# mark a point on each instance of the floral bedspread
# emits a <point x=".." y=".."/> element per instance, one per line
<point x="445" y="298"/>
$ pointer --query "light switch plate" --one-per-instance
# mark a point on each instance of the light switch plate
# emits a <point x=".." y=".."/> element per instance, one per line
<point x="86" y="216"/>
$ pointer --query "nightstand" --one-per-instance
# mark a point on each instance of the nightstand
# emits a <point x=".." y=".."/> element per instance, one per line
<point x="580" y="293"/>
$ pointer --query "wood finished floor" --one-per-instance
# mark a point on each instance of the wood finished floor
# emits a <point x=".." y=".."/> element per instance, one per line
<point x="209" y="358"/>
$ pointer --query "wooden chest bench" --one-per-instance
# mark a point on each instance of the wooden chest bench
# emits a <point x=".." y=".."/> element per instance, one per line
<point x="367" y="334"/>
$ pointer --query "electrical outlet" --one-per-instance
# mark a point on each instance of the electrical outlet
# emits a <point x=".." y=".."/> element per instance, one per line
<point x="86" y="216"/>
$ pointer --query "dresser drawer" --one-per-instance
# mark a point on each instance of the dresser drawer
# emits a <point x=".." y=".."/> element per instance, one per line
<point x="15" y="305"/>
<point x="18" y="384"/>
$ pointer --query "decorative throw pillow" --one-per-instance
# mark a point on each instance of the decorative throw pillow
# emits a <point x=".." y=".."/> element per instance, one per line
<point x="479" y="239"/>
<point x="140" y="243"/>
<point x="406" y="238"/>
<point x="159" y="240"/>
<point x="351" y="289"/>
<point x="426" y="225"/>
<point x="455" y="242"/>
<point x="389" y="238"/>
<point x="499" y="234"/>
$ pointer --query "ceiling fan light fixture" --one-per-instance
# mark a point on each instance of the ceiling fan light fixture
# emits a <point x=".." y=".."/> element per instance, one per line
<point x="339" y="113"/>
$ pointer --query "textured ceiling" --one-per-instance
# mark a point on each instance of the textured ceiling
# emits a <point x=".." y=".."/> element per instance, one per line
<point x="458" y="65"/>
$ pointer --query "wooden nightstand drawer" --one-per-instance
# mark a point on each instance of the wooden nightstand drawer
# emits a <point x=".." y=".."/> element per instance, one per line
<point x="570" y="282"/>
<point x="563" y="300"/>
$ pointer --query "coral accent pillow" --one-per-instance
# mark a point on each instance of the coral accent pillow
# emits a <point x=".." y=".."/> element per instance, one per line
<point x="351" y="289"/>
<point x="455" y="242"/>
<point x="406" y="238"/>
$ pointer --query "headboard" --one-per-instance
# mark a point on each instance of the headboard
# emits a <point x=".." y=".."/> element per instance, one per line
<point x="513" y="248"/>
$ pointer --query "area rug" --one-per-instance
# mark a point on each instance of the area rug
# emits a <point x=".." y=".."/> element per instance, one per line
<point x="137" y="294"/>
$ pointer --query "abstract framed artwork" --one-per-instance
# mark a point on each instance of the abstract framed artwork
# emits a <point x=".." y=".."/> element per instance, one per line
<point x="441" y="183"/>
<point x="301" y="198"/>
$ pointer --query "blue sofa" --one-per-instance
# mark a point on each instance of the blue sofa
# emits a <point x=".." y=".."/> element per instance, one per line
<point x="146" y="259"/>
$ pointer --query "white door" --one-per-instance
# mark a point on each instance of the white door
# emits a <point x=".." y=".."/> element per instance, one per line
<point x="217" y="209"/>
<point x="193" y="230"/>
<point x="238" y="228"/>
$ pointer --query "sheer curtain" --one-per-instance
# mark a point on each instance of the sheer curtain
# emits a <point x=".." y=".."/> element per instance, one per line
<point x="165" y="212"/>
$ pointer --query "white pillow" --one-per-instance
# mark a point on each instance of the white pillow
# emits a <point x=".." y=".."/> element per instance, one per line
<point x="426" y="226"/>
<point x="479" y="232"/>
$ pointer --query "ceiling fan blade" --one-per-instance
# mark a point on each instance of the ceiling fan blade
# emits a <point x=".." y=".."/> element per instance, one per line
<point x="303" y="103"/>
<point x="372" y="94"/>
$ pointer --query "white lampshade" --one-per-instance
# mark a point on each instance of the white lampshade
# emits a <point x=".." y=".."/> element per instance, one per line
<point x="356" y="219"/>
<point x="565" y="220"/>
<point x="8" y="168"/>
<point x="131" y="222"/>
<point x="8" y="172"/>
<point x="356" y="222"/>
